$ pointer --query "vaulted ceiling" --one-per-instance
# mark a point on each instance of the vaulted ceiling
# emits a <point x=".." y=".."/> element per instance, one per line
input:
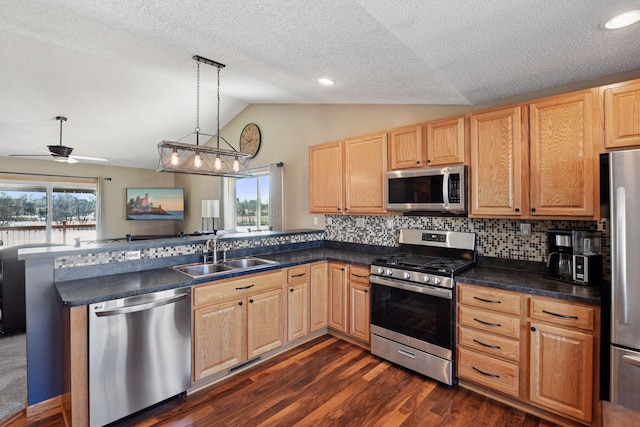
<point x="122" y="72"/>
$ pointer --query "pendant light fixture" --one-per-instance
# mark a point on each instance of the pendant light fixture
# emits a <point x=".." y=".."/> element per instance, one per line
<point x="199" y="159"/>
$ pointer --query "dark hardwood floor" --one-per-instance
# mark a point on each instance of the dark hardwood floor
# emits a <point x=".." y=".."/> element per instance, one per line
<point x="325" y="382"/>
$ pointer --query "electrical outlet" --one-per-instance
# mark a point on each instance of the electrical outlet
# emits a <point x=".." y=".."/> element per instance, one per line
<point x="390" y="224"/>
<point x="131" y="255"/>
<point x="525" y="230"/>
<point x="360" y="222"/>
<point x="329" y="220"/>
<point x="315" y="220"/>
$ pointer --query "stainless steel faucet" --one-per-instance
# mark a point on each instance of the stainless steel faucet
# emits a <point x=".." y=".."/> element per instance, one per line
<point x="212" y="245"/>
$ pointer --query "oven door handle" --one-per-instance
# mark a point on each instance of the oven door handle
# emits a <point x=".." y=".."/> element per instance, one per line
<point x="427" y="290"/>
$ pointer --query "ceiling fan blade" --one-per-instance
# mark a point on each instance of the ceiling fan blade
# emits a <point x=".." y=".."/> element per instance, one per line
<point x="71" y="160"/>
<point x="93" y="159"/>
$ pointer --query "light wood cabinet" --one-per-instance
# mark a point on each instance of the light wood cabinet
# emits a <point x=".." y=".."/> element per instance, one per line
<point x="446" y="141"/>
<point x="499" y="167"/>
<point x="407" y="148"/>
<point x="359" y="305"/>
<point x="348" y="176"/>
<point x="338" y="297"/>
<point x="564" y="147"/>
<point x="543" y="166"/>
<point x="563" y="353"/>
<point x="622" y="114"/>
<point x="318" y="296"/>
<point x="297" y="302"/>
<point x="235" y="320"/>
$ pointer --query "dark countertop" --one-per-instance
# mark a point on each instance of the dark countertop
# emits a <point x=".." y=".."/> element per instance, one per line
<point x="530" y="283"/>
<point x="88" y="291"/>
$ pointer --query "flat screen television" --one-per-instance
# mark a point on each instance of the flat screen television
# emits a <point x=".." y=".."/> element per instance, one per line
<point x="155" y="204"/>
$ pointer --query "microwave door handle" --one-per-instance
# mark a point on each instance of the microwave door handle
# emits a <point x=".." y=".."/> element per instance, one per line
<point x="445" y="187"/>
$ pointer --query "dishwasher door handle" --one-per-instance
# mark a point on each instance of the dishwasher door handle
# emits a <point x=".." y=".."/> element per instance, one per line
<point x="140" y="307"/>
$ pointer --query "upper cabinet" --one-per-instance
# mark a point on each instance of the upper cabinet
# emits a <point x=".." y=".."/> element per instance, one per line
<point x="544" y="167"/>
<point x="564" y="149"/>
<point x="498" y="162"/>
<point x="348" y="176"/>
<point x="445" y="141"/>
<point x="622" y="114"/>
<point x="441" y="142"/>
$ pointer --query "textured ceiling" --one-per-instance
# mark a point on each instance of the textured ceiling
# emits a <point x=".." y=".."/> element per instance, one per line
<point x="121" y="70"/>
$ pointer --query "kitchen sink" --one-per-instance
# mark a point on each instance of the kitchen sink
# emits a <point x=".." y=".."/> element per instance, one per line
<point x="236" y="264"/>
<point x="248" y="262"/>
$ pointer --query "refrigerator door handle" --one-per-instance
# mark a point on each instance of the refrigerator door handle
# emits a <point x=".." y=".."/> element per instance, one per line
<point x="635" y="361"/>
<point x="621" y="258"/>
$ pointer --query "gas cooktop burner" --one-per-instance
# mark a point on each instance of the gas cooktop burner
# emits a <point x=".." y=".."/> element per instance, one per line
<point x="424" y="263"/>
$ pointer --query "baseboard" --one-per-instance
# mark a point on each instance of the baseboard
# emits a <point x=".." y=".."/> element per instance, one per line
<point x="44" y="406"/>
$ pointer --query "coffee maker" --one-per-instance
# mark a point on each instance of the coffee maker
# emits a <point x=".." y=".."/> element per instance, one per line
<point x="560" y="260"/>
<point x="587" y="257"/>
<point x="575" y="256"/>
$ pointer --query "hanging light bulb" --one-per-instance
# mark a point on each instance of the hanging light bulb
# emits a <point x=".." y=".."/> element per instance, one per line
<point x="217" y="164"/>
<point x="236" y="165"/>
<point x="197" y="162"/>
<point x="175" y="159"/>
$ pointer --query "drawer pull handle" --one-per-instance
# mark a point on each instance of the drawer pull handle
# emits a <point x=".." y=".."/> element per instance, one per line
<point x="486" y="345"/>
<point x="486" y="373"/>
<point x="358" y="275"/>
<point x="298" y="275"/>
<point x="564" y="316"/>
<point x="487" y="323"/>
<point x="491" y="301"/>
<point x="244" y="287"/>
<point x="406" y="353"/>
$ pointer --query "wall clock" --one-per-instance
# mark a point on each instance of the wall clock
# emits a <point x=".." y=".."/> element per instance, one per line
<point x="250" y="139"/>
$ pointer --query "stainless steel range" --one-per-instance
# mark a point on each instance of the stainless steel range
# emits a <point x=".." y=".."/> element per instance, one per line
<point x="412" y="300"/>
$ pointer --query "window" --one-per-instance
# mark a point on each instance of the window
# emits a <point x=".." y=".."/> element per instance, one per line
<point x="252" y="202"/>
<point x="46" y="212"/>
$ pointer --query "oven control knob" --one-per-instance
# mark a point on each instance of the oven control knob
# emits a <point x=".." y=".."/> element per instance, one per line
<point x="426" y="278"/>
<point x="380" y="270"/>
<point x="436" y="281"/>
<point x="406" y="275"/>
<point x="388" y="272"/>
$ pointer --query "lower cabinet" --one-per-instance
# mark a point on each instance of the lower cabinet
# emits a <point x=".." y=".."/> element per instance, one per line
<point x="338" y="297"/>
<point x="297" y="302"/>
<point x="349" y="306"/>
<point x="235" y="320"/>
<point x="318" y="296"/>
<point x="543" y="353"/>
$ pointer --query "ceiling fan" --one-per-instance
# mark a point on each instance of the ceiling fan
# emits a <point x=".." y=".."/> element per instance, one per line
<point x="61" y="153"/>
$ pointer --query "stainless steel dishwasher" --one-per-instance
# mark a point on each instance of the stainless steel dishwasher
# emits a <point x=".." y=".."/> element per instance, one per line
<point x="139" y="353"/>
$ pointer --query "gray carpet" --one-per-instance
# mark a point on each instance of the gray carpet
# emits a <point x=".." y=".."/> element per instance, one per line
<point x="13" y="375"/>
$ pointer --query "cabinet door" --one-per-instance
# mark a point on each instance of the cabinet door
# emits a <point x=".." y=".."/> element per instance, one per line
<point x="359" y="311"/>
<point x="337" y="298"/>
<point x="297" y="311"/>
<point x="265" y="321"/>
<point x="325" y="178"/>
<point x="318" y="297"/>
<point x="365" y="174"/>
<point x="561" y="370"/>
<point x="407" y="148"/>
<point x="563" y="149"/>
<point x="498" y="163"/>
<point x="622" y="115"/>
<point x="445" y="142"/>
<point x="218" y="338"/>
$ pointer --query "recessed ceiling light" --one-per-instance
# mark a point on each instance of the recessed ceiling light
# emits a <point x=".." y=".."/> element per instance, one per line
<point x="327" y="82"/>
<point x="622" y="20"/>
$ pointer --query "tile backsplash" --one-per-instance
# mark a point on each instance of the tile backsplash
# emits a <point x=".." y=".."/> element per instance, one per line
<point x="495" y="237"/>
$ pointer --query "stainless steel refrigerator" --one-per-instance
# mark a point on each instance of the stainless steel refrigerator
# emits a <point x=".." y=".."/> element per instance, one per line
<point x="624" y="177"/>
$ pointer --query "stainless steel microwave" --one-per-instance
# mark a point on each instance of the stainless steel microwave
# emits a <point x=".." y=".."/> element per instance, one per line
<point x="429" y="189"/>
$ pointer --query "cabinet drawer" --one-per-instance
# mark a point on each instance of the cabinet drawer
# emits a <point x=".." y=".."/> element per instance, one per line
<point x="298" y="274"/>
<point x="359" y="274"/>
<point x="496" y="345"/>
<point x="491" y="299"/>
<point x="213" y="292"/>
<point x="563" y="313"/>
<point x="484" y="370"/>
<point x="489" y="321"/>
